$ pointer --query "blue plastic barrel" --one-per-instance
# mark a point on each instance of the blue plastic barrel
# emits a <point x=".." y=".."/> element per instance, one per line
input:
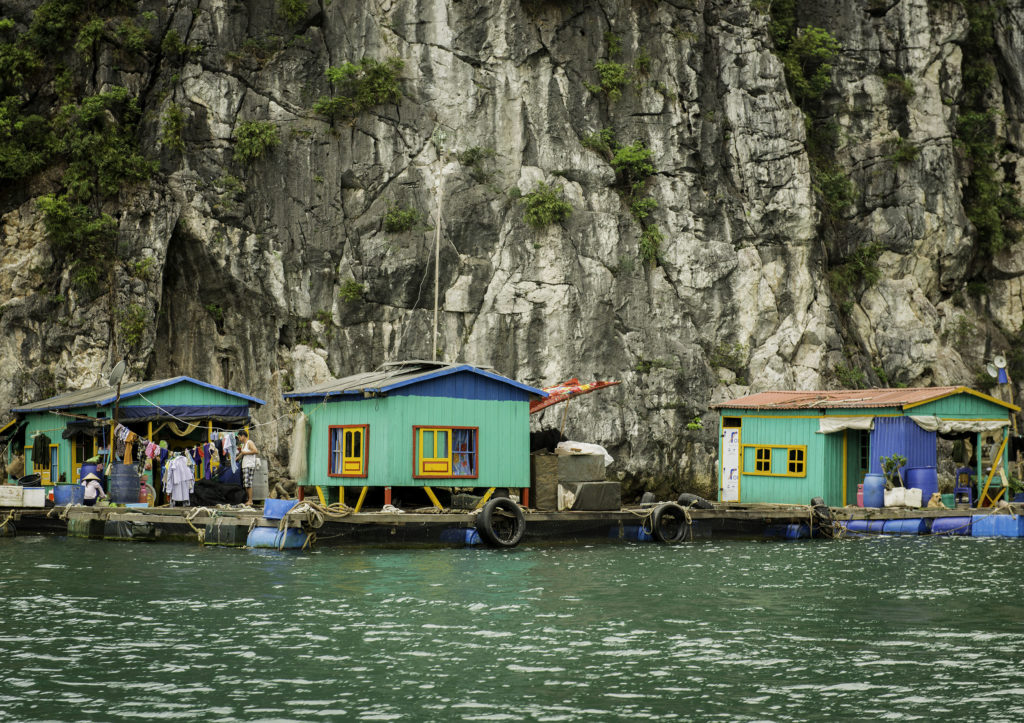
<point x="874" y="490"/>
<point x="461" y="535"/>
<point x="792" y="531"/>
<point x="865" y="525"/>
<point x="995" y="525"/>
<point x="274" y="509"/>
<point x="905" y="527"/>
<point x="68" y="495"/>
<point x="271" y="538"/>
<point x="90" y="468"/>
<point x="951" y="526"/>
<point x="925" y="479"/>
<point x="124" y="484"/>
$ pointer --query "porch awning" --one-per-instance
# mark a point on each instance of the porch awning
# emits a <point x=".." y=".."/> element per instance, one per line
<point x="950" y="426"/>
<point x="829" y="425"/>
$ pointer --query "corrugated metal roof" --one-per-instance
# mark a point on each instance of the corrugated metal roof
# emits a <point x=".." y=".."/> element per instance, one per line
<point x="849" y="398"/>
<point x="102" y="396"/>
<point x="393" y="375"/>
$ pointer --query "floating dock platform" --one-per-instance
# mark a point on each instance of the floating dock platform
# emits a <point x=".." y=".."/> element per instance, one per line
<point x="307" y="524"/>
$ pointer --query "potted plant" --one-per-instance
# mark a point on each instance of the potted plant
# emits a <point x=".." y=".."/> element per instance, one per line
<point x="891" y="469"/>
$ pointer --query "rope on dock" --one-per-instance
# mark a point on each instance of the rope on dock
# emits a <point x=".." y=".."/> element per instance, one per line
<point x="3" y="525"/>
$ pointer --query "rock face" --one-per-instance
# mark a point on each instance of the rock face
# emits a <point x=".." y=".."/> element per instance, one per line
<point x="272" y="273"/>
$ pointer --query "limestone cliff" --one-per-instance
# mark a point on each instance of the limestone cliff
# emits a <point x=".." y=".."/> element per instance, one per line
<point x="277" y="240"/>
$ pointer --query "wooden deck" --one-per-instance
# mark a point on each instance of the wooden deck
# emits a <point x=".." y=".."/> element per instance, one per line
<point x="232" y="525"/>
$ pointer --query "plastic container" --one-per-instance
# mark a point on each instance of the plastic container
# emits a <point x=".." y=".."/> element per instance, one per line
<point x="792" y="531"/>
<point x="860" y="495"/>
<point x="925" y="479"/>
<point x="915" y="526"/>
<point x="272" y="538"/>
<point x="874" y="526"/>
<point x="949" y="500"/>
<point x="124" y="484"/>
<point x="874" y="490"/>
<point x="68" y="495"/>
<point x="461" y="536"/>
<point x="951" y="526"/>
<point x="11" y="495"/>
<point x="894" y="497"/>
<point x="33" y="497"/>
<point x="91" y="468"/>
<point x="997" y="525"/>
<point x="276" y="509"/>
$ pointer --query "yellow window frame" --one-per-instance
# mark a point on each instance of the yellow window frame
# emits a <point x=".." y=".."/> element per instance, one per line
<point x="352" y="444"/>
<point x="796" y="461"/>
<point x="763" y="460"/>
<point x="432" y="459"/>
<point x="801" y="449"/>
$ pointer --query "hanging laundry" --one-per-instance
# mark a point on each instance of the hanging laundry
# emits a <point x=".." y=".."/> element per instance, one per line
<point x="129" y="446"/>
<point x="40" y="449"/>
<point x="179" y="481"/>
<point x="230" y="449"/>
<point x="152" y="450"/>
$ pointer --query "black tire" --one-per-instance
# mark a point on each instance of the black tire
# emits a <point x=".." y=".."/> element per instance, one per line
<point x="648" y="499"/>
<point x="686" y="499"/>
<point x="501" y="523"/>
<point x="668" y="523"/>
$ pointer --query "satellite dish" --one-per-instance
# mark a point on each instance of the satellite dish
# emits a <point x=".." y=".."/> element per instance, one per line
<point x="116" y="373"/>
<point x="999" y="361"/>
<point x="992" y="371"/>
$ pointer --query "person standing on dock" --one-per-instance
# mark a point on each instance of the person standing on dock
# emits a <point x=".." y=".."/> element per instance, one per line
<point x="250" y="458"/>
<point x="93" y="489"/>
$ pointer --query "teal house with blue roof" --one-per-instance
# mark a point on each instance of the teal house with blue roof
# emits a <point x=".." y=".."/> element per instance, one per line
<point x="419" y="424"/>
<point x="73" y="427"/>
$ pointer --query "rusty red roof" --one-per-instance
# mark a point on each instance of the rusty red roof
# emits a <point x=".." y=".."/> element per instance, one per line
<point x="850" y="398"/>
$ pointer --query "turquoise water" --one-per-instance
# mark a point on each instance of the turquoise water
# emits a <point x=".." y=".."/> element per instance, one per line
<point x="890" y="628"/>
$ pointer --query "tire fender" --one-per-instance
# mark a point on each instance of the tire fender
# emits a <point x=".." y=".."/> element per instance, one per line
<point x="501" y="535"/>
<point x="668" y="523"/>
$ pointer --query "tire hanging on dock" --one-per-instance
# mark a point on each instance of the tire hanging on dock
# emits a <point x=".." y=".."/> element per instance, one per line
<point x="501" y="523"/>
<point x="668" y="523"/>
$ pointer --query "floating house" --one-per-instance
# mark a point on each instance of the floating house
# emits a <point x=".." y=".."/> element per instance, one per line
<point x="789" y="447"/>
<point x="59" y="434"/>
<point x="419" y="424"/>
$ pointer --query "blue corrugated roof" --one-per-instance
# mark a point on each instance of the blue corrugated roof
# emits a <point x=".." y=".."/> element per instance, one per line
<point x="399" y="375"/>
<point x="102" y="396"/>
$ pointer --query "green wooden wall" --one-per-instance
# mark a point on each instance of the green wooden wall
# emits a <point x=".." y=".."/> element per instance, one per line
<point x="185" y="393"/>
<point x="965" y="406"/>
<point x="503" y="439"/>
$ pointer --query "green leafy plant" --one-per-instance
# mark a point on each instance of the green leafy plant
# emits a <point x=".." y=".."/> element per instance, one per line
<point x="253" y="139"/>
<point x="730" y="356"/>
<point x="602" y="141"/>
<point x="133" y="324"/>
<point x="901" y="86"/>
<point x="849" y="377"/>
<point x="612" y="77"/>
<point x="358" y="87"/>
<point x="292" y="11"/>
<point x="856" y="274"/>
<point x="891" y="468"/>
<point x="633" y="164"/>
<point x="474" y="159"/>
<point x="650" y="243"/>
<point x="695" y="424"/>
<point x="641" y="208"/>
<point x="903" y="151"/>
<point x="398" y="219"/>
<point x="351" y="291"/>
<point x="215" y="311"/>
<point x="545" y="205"/>
<point x="172" y="125"/>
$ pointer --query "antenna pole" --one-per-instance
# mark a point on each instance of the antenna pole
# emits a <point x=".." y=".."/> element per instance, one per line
<point x="437" y="260"/>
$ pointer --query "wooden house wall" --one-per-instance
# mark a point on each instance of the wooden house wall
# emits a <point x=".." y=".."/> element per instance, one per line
<point x="961" y="406"/>
<point x="503" y="439"/>
<point x="791" y="429"/>
<point x="185" y="394"/>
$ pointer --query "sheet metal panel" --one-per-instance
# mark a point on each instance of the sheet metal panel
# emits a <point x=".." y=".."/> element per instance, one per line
<point x="899" y="435"/>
